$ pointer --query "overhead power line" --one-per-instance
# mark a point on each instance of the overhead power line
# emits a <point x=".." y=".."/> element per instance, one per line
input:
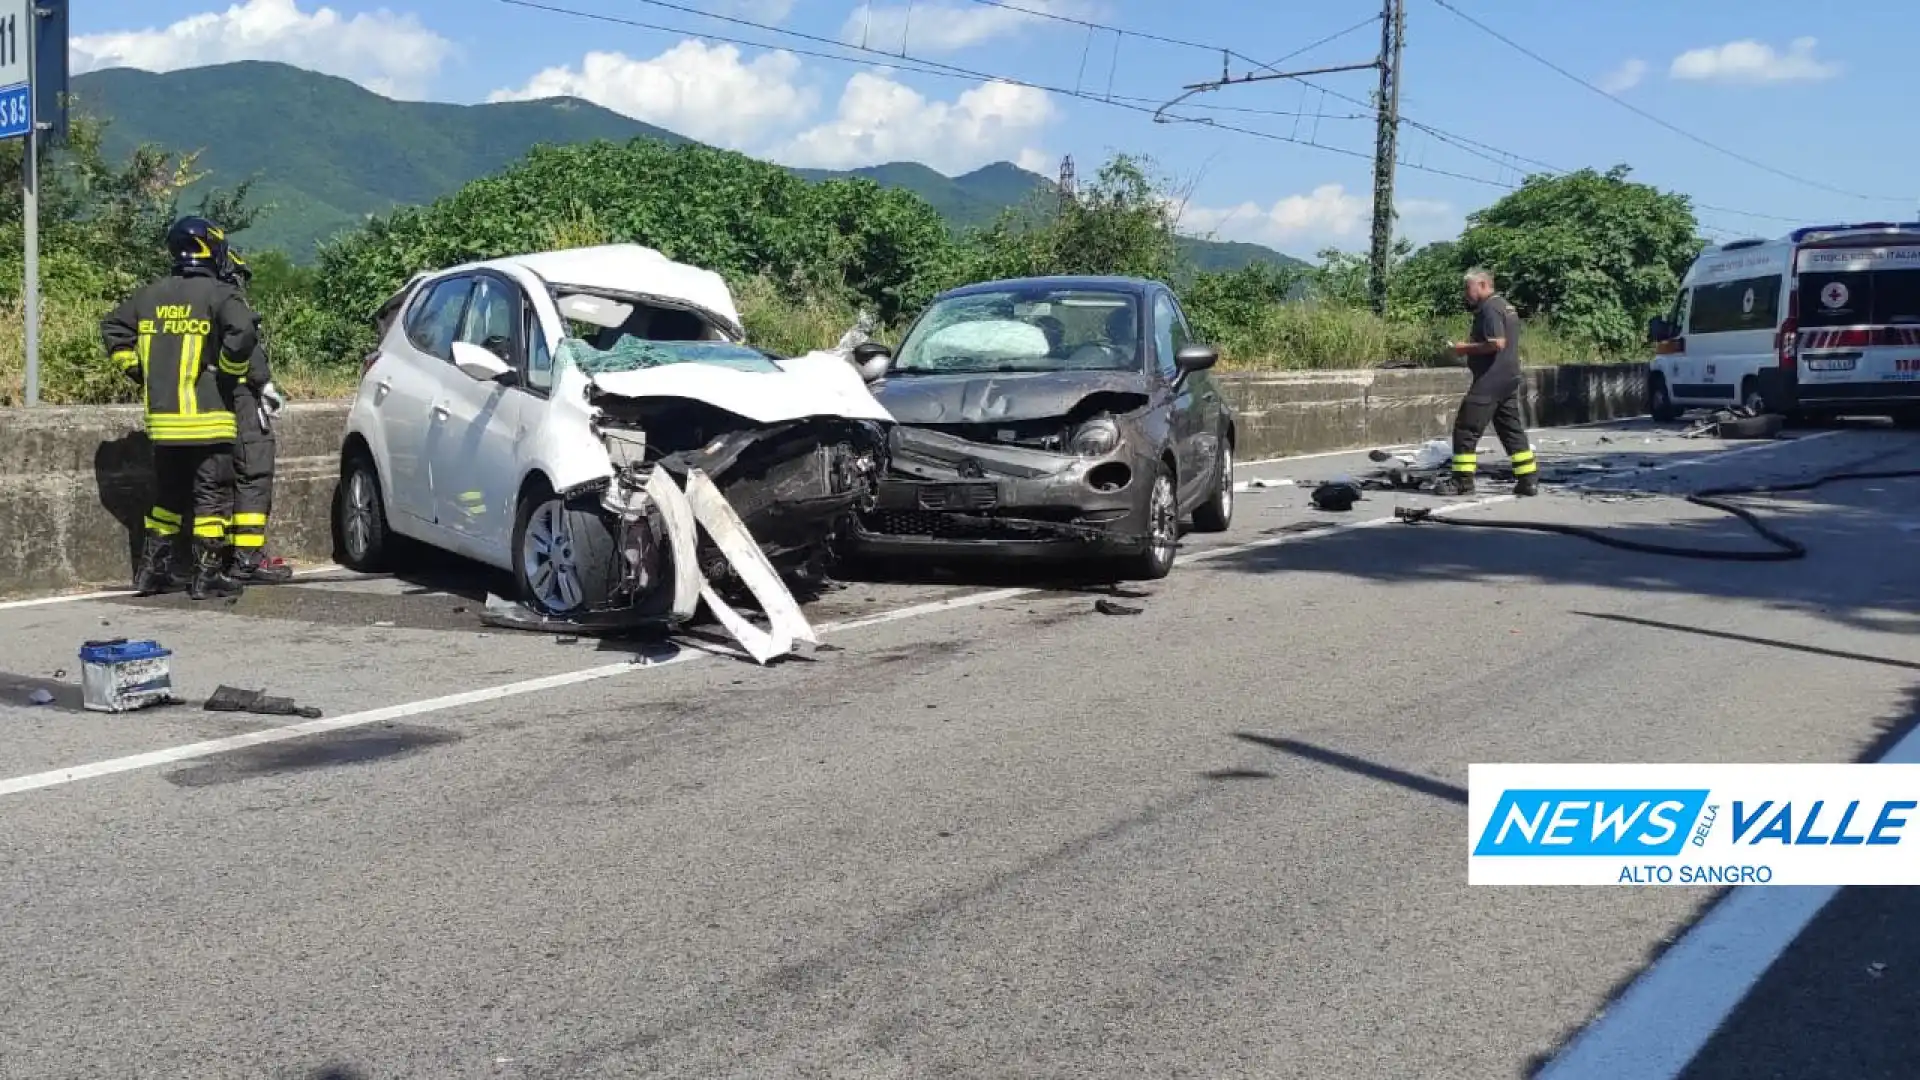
<point x="1638" y="111"/>
<point x="936" y="69"/>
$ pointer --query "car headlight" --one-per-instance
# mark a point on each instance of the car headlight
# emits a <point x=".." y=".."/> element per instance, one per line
<point x="1096" y="438"/>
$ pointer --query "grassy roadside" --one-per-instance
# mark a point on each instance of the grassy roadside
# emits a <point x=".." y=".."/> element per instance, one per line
<point x="1280" y="337"/>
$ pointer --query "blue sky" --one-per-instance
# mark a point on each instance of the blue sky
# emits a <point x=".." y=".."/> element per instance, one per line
<point x="1787" y="85"/>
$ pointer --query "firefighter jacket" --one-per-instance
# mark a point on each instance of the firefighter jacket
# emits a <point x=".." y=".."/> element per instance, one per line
<point x="188" y="339"/>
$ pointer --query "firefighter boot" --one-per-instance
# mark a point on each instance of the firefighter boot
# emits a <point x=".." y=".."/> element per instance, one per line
<point x="155" y="574"/>
<point x="1460" y="483"/>
<point x="209" y="571"/>
<point x="1524" y="486"/>
<point x="252" y="567"/>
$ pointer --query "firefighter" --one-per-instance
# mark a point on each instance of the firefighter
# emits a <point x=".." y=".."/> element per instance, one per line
<point x="1493" y="355"/>
<point x="187" y="339"/>
<point x="256" y="403"/>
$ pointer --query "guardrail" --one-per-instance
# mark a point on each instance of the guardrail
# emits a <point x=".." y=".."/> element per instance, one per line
<point x="74" y="480"/>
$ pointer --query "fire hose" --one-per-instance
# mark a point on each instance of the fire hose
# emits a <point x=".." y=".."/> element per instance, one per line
<point x="1786" y="548"/>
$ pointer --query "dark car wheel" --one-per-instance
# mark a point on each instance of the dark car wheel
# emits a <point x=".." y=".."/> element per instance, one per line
<point x="360" y="532"/>
<point x="1155" y="559"/>
<point x="563" y="555"/>
<point x="1660" y="401"/>
<point x="1216" y="514"/>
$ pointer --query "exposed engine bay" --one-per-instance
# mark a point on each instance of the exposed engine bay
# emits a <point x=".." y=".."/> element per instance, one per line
<point x="730" y="471"/>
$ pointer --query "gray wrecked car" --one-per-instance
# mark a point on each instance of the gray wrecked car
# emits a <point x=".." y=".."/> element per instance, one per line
<point x="1061" y="417"/>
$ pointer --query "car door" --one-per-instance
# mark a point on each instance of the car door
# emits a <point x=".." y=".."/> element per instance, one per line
<point x="1184" y="419"/>
<point x="408" y="382"/>
<point x="1210" y="420"/>
<point x="481" y="425"/>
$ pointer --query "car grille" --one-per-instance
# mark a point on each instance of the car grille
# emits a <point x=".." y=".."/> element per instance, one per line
<point x="958" y="496"/>
<point x="947" y="526"/>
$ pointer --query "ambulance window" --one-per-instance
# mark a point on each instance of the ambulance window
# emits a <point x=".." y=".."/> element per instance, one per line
<point x="1677" y="318"/>
<point x="1896" y="298"/>
<point x="1842" y="299"/>
<point x="1732" y="306"/>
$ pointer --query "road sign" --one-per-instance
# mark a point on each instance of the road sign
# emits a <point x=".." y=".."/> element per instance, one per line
<point x="17" y="26"/>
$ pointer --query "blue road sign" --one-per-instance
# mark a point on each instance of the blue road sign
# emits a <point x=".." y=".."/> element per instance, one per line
<point x="16" y="110"/>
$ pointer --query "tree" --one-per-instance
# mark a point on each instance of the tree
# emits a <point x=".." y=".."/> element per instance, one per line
<point x="1122" y="223"/>
<point x="1594" y="252"/>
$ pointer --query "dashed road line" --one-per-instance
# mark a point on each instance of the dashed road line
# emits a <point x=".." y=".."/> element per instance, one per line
<point x="190" y="751"/>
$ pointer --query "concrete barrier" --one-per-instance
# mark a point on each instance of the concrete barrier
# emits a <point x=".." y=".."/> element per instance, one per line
<point x="74" y="480"/>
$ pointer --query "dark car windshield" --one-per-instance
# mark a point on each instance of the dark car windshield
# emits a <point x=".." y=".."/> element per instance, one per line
<point x="1024" y="330"/>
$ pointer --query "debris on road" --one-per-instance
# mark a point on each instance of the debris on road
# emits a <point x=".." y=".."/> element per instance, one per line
<point x="1336" y="495"/>
<point x="233" y="699"/>
<point x="119" y="675"/>
<point x="40" y="696"/>
<point x="1108" y="607"/>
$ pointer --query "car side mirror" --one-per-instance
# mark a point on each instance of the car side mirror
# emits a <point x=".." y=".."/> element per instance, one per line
<point x="1657" y="330"/>
<point x="872" y="359"/>
<point x="479" y="364"/>
<point x="1196" y="357"/>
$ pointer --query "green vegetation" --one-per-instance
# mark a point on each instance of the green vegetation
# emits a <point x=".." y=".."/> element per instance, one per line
<point x="1585" y="257"/>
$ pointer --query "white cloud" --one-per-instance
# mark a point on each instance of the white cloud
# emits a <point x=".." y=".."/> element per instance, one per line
<point x="387" y="53"/>
<point x="1327" y="216"/>
<point x="880" y="120"/>
<point x="947" y="27"/>
<point x="1750" y="61"/>
<point x="1035" y="160"/>
<point x="693" y="89"/>
<point x="1625" y="77"/>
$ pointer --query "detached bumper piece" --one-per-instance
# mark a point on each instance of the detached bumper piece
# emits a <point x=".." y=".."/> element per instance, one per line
<point x="662" y="504"/>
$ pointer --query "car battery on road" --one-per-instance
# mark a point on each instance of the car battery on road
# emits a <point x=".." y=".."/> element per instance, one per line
<point x="122" y="676"/>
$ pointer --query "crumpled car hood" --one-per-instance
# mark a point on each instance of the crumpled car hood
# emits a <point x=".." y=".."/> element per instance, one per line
<point x="803" y="388"/>
<point x="981" y="398"/>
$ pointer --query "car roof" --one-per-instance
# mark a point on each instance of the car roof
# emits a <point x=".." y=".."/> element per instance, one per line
<point x="1137" y="286"/>
<point x="631" y="268"/>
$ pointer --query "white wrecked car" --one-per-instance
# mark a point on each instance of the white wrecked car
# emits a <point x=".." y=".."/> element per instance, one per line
<point x="518" y="412"/>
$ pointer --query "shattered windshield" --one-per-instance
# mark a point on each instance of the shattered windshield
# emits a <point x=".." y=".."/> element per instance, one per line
<point x="1024" y="330"/>
<point x="635" y="354"/>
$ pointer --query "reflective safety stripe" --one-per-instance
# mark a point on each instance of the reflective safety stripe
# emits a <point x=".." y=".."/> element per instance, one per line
<point x="210" y="528"/>
<point x="1523" y="463"/>
<point x="1521" y="457"/>
<point x="1465" y="463"/>
<point x="128" y="359"/>
<point x="165" y="515"/>
<point x="255" y="520"/>
<point x="249" y="540"/>
<point x="191" y="348"/>
<point x="231" y="365"/>
<point x="212" y="427"/>
<point x="163" y="522"/>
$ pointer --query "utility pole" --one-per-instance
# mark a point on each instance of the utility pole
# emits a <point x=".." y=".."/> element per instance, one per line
<point x="1393" y="38"/>
<point x="1068" y="189"/>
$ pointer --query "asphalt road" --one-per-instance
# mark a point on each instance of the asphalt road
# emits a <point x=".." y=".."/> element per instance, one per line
<point x="990" y="832"/>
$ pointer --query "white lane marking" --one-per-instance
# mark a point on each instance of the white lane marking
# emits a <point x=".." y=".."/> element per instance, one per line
<point x="109" y="594"/>
<point x="170" y="755"/>
<point x="1657" y="1026"/>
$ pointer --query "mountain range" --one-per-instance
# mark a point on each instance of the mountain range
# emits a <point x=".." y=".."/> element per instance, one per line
<point x="325" y="153"/>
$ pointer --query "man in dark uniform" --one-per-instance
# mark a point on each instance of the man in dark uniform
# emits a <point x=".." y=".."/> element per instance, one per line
<point x="186" y="339"/>
<point x="256" y="403"/>
<point x="1494" y="358"/>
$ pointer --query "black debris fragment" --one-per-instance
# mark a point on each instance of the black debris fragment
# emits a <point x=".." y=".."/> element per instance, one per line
<point x="1107" y="607"/>
<point x="1379" y="455"/>
<point x="1337" y="496"/>
<point x="824" y="647"/>
<point x="232" y="699"/>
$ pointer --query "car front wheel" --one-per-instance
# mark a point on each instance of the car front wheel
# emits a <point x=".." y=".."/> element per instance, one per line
<point x="1162" y="526"/>
<point x="564" y="555"/>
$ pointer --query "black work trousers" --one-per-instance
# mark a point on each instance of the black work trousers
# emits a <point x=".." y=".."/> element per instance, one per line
<point x="253" y="456"/>
<point x="192" y="491"/>
<point x="1493" y="397"/>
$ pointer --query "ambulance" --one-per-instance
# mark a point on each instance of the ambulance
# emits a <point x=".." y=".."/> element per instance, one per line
<point x="1824" y="321"/>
